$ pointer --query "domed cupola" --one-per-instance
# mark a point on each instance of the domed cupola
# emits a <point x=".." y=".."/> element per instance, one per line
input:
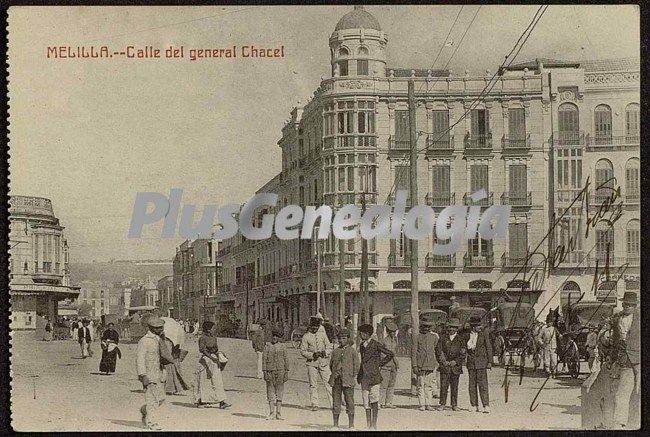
<point x="358" y="46"/>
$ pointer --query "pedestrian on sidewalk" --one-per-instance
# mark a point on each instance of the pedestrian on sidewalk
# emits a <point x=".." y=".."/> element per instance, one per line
<point x="426" y="365"/>
<point x="275" y="365"/>
<point x="479" y="359"/>
<point x="316" y="348"/>
<point x="592" y="346"/>
<point x="48" y="330"/>
<point x="151" y="372"/>
<point x="344" y="366"/>
<point x="548" y="338"/>
<point x="389" y="371"/>
<point x="452" y="349"/>
<point x="209" y="382"/>
<point x="258" y="346"/>
<point x="369" y="375"/>
<point x="85" y="336"/>
<point x="74" y="330"/>
<point x="110" y="351"/>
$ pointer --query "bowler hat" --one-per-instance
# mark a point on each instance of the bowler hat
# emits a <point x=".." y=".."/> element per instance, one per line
<point x="156" y="322"/>
<point x="549" y="318"/>
<point x="426" y="324"/>
<point x="314" y="321"/>
<point x="453" y="323"/>
<point x="278" y="332"/>
<point x="391" y="326"/>
<point x="630" y="297"/>
<point x="366" y="328"/>
<point x="475" y="320"/>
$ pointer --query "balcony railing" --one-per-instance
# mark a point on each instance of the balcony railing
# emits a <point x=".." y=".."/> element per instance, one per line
<point x="612" y="140"/>
<point x="573" y="258"/>
<point x="332" y="259"/>
<point x="433" y="261"/>
<point x="488" y="201"/>
<point x="399" y="143"/>
<point x="440" y="199"/>
<point x="602" y="195"/>
<point x="632" y="195"/>
<point x="576" y="138"/>
<point x="515" y="142"/>
<point x="474" y="260"/>
<point x="366" y="140"/>
<point x="633" y="260"/>
<point x="517" y="260"/>
<point x="440" y="142"/>
<point x="517" y="199"/>
<point x="478" y="141"/>
<point x="399" y="261"/>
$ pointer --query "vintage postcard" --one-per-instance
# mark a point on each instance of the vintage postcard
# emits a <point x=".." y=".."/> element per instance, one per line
<point x="321" y="218"/>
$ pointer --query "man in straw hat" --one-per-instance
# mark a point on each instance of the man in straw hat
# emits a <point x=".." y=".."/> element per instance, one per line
<point x="151" y="372"/>
<point x="452" y="349"/>
<point x="626" y="339"/>
<point x="316" y="348"/>
<point x="426" y="364"/>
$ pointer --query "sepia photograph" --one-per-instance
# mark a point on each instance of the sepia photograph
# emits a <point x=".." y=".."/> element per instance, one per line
<point x="324" y="217"/>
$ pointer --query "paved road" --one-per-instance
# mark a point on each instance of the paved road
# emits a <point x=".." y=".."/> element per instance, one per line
<point x="54" y="390"/>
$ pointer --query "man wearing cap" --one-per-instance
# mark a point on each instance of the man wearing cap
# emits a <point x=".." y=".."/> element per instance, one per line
<point x="426" y="364"/>
<point x="151" y="372"/>
<point x="626" y="366"/>
<point x="316" y="348"/>
<point x="452" y="349"/>
<point x="479" y="359"/>
<point x="369" y="375"/>
<point x="389" y="370"/>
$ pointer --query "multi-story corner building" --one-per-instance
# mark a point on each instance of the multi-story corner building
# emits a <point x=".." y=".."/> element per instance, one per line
<point x="165" y="295"/>
<point x="39" y="275"/>
<point x="96" y="295"/>
<point x="529" y="137"/>
<point x="194" y="278"/>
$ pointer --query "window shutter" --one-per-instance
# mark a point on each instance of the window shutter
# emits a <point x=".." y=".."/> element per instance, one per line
<point x="440" y="125"/>
<point x="441" y="179"/>
<point x="518" y="240"/>
<point x="478" y="178"/>
<point x="517" y="123"/>
<point x="402" y="125"/>
<point x="518" y="180"/>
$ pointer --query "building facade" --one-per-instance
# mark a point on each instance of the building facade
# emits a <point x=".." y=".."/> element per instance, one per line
<point x="530" y="137"/>
<point x="39" y="274"/>
<point x="194" y="278"/>
<point x="95" y="296"/>
<point x="165" y="295"/>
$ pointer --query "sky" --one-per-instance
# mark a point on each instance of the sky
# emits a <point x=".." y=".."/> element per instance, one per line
<point x="91" y="133"/>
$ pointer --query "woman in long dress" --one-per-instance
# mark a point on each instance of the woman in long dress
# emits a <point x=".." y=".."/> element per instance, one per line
<point x="110" y="351"/>
<point x="175" y="382"/>
<point x="209" y="391"/>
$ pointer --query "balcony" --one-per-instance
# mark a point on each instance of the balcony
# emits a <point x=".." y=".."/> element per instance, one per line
<point x="399" y="261"/>
<point x="440" y="261"/>
<point x="440" y="141"/>
<point x="332" y="259"/>
<point x="602" y="195"/>
<point x="517" y="260"/>
<point x="572" y="259"/>
<point x="399" y="144"/>
<point x="366" y="141"/>
<point x="440" y="199"/>
<point x="633" y="260"/>
<point x="475" y="260"/>
<point x="576" y="138"/>
<point x="515" y="143"/>
<point x="479" y="142"/>
<point x="488" y="201"/>
<point x="517" y="199"/>
<point x="632" y="195"/>
<point x="612" y="141"/>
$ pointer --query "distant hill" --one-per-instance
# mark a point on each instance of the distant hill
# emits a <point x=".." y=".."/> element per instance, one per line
<point x="111" y="272"/>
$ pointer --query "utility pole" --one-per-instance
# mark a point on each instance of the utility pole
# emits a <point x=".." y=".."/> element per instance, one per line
<point x="365" y="292"/>
<point x="341" y="275"/>
<point x="413" y="189"/>
<point x="319" y="286"/>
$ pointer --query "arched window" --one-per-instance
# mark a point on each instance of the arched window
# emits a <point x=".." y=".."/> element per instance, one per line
<point x="604" y="243"/>
<point x="632" y="180"/>
<point x="606" y="292"/>
<point x="480" y="284"/>
<point x="568" y="124"/>
<point x="603" y="124"/>
<point x="632" y="123"/>
<point x="402" y="285"/>
<point x="442" y="285"/>
<point x="518" y="284"/>
<point x="633" y="242"/>
<point x="604" y="176"/>
<point x="344" y="51"/>
<point x="363" y="51"/>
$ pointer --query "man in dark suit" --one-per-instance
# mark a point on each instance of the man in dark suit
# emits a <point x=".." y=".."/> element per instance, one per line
<point x="479" y="359"/>
<point x="85" y="336"/>
<point x="452" y="349"/>
<point x="370" y="372"/>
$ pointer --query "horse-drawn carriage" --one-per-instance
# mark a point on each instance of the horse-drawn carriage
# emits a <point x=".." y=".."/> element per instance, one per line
<point x="463" y="314"/>
<point x="510" y="325"/>
<point x="582" y="316"/>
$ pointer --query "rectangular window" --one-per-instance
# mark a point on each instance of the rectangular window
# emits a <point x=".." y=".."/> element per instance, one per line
<point x="350" y="178"/>
<point x="479" y="178"/>
<point x="402" y="178"/>
<point x="517" y="240"/>
<point x="603" y="119"/>
<point x="633" y="242"/>
<point x="632" y="122"/>
<point x="632" y="181"/>
<point x="440" y="133"/>
<point x="362" y="67"/>
<point x="569" y="165"/>
<point x="341" y="179"/>
<point x="604" y="244"/>
<point x="518" y="181"/>
<point x="402" y="125"/>
<point x="343" y="68"/>
<point x="479" y="247"/>
<point x="441" y="179"/>
<point x="517" y="123"/>
<point x="480" y="122"/>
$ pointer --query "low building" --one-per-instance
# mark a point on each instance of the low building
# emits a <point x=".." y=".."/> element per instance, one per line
<point x="194" y="278"/>
<point x="39" y="276"/>
<point x="96" y="295"/>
